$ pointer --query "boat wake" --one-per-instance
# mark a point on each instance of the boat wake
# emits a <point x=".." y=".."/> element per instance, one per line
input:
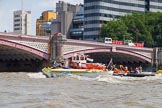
<point x="81" y="77"/>
<point x="109" y="79"/>
<point x="117" y="79"/>
<point x="36" y="75"/>
<point x="105" y="77"/>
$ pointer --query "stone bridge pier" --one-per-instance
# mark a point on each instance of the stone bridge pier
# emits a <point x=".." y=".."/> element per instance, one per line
<point x="157" y="59"/>
<point x="56" y="47"/>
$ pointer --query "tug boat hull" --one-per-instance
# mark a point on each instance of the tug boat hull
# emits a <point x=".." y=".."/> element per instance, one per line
<point x="49" y="72"/>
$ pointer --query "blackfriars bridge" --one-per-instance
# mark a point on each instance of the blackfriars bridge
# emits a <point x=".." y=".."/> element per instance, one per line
<point x="30" y="53"/>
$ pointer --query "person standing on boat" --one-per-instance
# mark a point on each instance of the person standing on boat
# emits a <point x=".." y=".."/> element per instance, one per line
<point x="58" y="63"/>
<point x="137" y="70"/>
<point x="55" y="64"/>
<point x="140" y="69"/>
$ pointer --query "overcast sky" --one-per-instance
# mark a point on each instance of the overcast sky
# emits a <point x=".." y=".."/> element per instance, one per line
<point x="35" y="6"/>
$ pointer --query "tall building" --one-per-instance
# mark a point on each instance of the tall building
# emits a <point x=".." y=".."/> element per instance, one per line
<point x="97" y="12"/>
<point x="65" y="14"/>
<point x="43" y="24"/>
<point x="22" y="22"/>
<point x="154" y="5"/>
<point x="76" y="32"/>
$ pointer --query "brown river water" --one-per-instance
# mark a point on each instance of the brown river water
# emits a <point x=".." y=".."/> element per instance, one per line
<point x="33" y="90"/>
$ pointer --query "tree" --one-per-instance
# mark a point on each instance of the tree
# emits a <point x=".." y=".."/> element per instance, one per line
<point x="116" y="30"/>
<point x="139" y="27"/>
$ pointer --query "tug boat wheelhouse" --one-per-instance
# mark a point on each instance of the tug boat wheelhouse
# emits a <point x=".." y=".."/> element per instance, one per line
<point x="81" y="61"/>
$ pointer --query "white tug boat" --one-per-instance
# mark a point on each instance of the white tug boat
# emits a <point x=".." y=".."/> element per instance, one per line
<point x="79" y="64"/>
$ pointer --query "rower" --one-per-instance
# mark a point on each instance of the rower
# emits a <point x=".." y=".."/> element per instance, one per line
<point x="126" y="69"/>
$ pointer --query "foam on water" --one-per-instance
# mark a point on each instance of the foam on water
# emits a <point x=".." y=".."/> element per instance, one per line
<point x="36" y="75"/>
<point x="104" y="77"/>
<point x="156" y="77"/>
<point x="117" y="79"/>
<point x="108" y="78"/>
<point x="81" y="77"/>
<point x="18" y="90"/>
<point x="120" y="79"/>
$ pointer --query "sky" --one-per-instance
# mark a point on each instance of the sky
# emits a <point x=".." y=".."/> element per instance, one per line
<point x="35" y="6"/>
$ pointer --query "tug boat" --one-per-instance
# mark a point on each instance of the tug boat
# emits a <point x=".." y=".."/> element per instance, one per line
<point x="79" y="64"/>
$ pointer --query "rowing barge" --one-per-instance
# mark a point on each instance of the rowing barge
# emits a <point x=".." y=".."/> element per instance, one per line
<point x="143" y="74"/>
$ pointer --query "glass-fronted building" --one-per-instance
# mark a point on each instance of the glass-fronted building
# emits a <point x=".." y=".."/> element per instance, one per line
<point x="98" y="12"/>
<point x="155" y="5"/>
<point x="76" y="32"/>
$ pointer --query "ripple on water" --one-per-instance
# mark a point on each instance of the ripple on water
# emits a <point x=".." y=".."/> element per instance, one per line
<point x="103" y="91"/>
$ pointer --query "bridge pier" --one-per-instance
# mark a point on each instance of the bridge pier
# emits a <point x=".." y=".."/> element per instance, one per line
<point x="157" y="59"/>
<point x="56" y="47"/>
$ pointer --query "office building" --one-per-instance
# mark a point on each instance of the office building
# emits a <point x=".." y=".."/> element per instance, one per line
<point x="22" y="22"/>
<point x="154" y="5"/>
<point x="76" y="32"/>
<point x="97" y="12"/>
<point x="65" y="15"/>
<point x="43" y="24"/>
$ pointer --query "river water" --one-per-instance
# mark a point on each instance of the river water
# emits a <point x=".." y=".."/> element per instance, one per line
<point x="33" y="90"/>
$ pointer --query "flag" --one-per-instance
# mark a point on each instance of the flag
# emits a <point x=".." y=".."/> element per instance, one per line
<point x="110" y="63"/>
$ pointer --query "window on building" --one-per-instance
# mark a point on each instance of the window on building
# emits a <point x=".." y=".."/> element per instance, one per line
<point x="16" y="28"/>
<point x="17" y="16"/>
<point x="16" y="24"/>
